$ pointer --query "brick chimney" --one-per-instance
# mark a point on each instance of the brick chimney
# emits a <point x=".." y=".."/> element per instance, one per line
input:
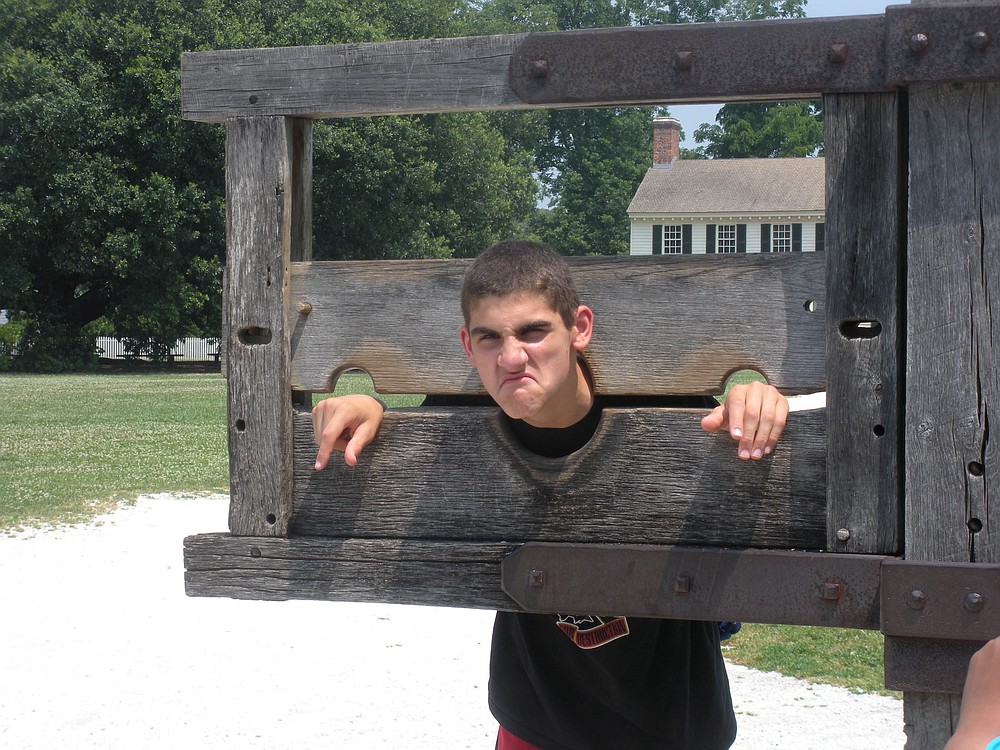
<point x="666" y="141"/>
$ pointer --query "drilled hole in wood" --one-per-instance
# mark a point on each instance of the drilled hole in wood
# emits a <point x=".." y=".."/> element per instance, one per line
<point x="976" y="469"/>
<point x="271" y="518"/>
<point x="809" y="305"/>
<point x="255" y="336"/>
<point x="879" y="430"/>
<point x="241" y="425"/>
<point x="860" y="329"/>
<point x="975" y="525"/>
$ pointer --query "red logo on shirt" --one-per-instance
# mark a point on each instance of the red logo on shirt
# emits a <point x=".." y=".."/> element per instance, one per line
<point x="592" y="631"/>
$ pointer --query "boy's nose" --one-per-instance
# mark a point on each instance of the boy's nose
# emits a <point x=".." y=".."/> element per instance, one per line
<point x="512" y="355"/>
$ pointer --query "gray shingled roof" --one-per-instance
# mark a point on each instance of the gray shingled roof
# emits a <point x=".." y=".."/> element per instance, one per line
<point x="712" y="186"/>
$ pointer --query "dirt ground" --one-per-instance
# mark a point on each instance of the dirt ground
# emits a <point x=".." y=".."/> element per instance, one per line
<point x="104" y="650"/>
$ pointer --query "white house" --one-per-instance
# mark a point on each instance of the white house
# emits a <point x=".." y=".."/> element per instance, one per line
<point x="725" y="205"/>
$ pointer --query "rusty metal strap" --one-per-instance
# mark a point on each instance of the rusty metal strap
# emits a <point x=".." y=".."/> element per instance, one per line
<point x="792" y="588"/>
<point x="957" y="601"/>
<point x="767" y="60"/>
<point x="940" y="600"/>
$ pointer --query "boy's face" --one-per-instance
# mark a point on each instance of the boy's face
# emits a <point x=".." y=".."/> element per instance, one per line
<point x="526" y="357"/>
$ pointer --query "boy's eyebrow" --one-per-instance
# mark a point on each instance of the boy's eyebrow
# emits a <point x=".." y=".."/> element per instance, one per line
<point x="534" y="325"/>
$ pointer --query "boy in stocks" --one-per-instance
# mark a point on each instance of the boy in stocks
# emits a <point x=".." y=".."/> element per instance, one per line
<point x="575" y="682"/>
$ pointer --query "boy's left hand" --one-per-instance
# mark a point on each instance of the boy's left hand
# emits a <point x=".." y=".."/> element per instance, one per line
<point x="754" y="414"/>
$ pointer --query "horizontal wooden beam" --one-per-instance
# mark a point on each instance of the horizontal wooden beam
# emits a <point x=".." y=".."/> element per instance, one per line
<point x="648" y="476"/>
<point x="664" y="325"/>
<point x="667" y="64"/>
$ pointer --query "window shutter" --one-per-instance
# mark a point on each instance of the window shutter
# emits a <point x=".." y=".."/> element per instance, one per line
<point x="820" y="237"/>
<point x="710" y="238"/>
<point x="686" y="239"/>
<point x="657" y="239"/>
<point x="741" y="238"/>
<point x="765" y="238"/>
<point x="796" y="238"/>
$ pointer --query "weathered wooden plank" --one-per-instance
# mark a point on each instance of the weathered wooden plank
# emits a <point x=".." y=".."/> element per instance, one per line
<point x="863" y="220"/>
<point x="265" y="173"/>
<point x="344" y="80"/>
<point x="648" y="476"/>
<point x="447" y="574"/>
<point x="656" y="64"/>
<point x="664" y="325"/>
<point x="952" y="385"/>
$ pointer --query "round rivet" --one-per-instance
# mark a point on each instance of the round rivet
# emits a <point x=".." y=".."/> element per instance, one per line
<point x="540" y="68"/>
<point x="253" y="99"/>
<point x="843" y="534"/>
<point x="980" y="40"/>
<point x="916" y="599"/>
<point x="919" y="42"/>
<point x="974" y="602"/>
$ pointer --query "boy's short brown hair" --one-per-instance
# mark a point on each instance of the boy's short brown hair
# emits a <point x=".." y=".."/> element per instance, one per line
<point x="519" y="266"/>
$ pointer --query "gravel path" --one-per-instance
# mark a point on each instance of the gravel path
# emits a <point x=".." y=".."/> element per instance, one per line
<point x="103" y="650"/>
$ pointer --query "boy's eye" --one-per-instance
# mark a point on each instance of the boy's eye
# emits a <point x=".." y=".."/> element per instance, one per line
<point x="533" y="334"/>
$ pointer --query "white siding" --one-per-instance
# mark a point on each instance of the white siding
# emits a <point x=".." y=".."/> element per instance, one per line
<point x="642" y="234"/>
<point x="641" y="241"/>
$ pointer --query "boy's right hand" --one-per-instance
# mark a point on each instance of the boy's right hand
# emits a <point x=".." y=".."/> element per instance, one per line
<point x="344" y="423"/>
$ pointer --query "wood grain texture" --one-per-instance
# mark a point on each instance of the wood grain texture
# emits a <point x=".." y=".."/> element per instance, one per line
<point x="349" y="80"/>
<point x="447" y="574"/>
<point x="864" y="226"/>
<point x="663" y="325"/>
<point x="260" y="184"/>
<point x="952" y="376"/>
<point x="648" y="476"/>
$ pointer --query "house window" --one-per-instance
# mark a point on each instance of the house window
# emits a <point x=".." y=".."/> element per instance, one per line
<point x="673" y="239"/>
<point x="725" y="238"/>
<point x="670" y="239"/>
<point x="820" y="237"/>
<point x="781" y="238"/>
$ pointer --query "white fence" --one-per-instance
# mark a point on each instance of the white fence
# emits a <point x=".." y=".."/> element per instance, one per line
<point x="189" y="350"/>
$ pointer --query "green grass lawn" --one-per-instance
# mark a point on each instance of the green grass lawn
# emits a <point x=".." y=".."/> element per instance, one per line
<point x="74" y="445"/>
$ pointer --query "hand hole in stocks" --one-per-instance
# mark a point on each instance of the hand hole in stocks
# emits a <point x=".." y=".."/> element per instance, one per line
<point x="860" y="329"/>
<point x="254" y="336"/>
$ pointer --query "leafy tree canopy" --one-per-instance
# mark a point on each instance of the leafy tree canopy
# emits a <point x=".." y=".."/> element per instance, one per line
<point x="763" y="130"/>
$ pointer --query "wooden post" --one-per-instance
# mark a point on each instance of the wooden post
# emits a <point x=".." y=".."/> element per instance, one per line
<point x="268" y="224"/>
<point x="864" y="227"/>
<point x="952" y="378"/>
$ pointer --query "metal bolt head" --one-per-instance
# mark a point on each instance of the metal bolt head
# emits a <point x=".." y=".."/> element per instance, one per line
<point x="536" y="578"/>
<point x="974" y="602"/>
<point x="684" y="60"/>
<point x="833" y="591"/>
<point x="540" y="68"/>
<point x="838" y="53"/>
<point x="980" y="40"/>
<point x="919" y="43"/>
<point x="916" y="599"/>
<point x="304" y="308"/>
<point x="682" y="585"/>
<point x="843" y="534"/>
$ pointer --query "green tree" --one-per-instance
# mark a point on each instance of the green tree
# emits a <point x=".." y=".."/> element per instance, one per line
<point x="111" y="207"/>
<point x="763" y="130"/>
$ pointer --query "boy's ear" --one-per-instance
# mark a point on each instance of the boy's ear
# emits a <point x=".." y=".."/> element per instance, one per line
<point x="583" y="329"/>
<point x="466" y="338"/>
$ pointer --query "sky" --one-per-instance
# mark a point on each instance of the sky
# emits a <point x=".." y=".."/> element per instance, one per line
<point x="693" y="115"/>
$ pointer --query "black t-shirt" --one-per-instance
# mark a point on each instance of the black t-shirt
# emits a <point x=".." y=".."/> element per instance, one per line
<point x="594" y="682"/>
